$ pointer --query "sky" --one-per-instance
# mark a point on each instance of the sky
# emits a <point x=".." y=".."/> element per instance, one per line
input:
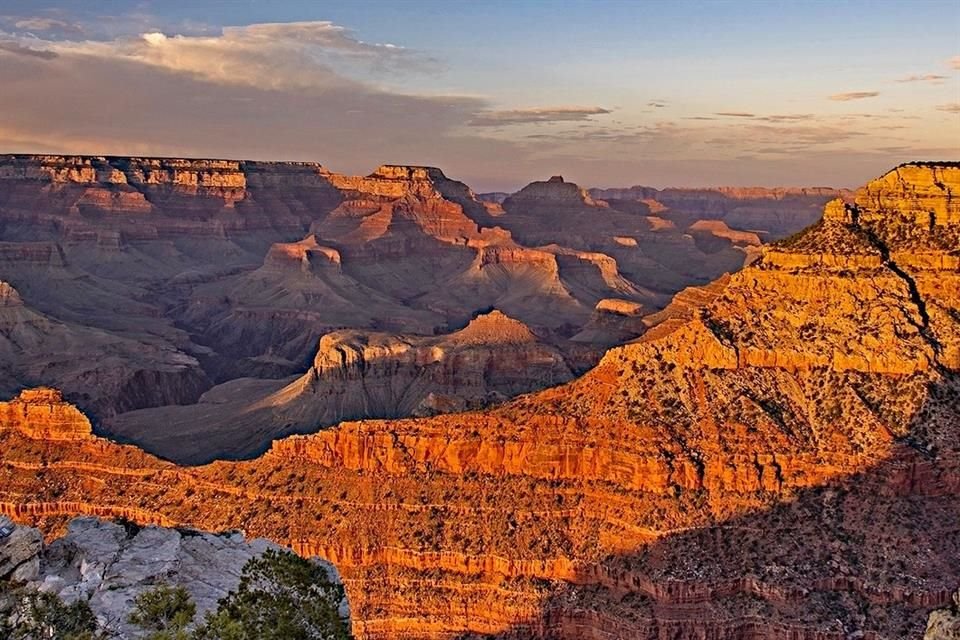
<point x="497" y="94"/>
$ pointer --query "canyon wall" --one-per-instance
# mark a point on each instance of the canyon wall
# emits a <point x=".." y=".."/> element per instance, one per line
<point x="190" y="273"/>
<point x="775" y="457"/>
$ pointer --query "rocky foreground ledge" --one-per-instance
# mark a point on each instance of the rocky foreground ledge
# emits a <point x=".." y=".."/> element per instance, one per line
<point x="110" y="563"/>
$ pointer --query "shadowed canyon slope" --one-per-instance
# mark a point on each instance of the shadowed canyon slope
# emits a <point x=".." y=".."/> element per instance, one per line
<point x="355" y="374"/>
<point x="776" y="456"/>
<point x="133" y="284"/>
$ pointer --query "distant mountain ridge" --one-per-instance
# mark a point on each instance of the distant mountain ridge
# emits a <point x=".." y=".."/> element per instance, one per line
<point x="185" y="274"/>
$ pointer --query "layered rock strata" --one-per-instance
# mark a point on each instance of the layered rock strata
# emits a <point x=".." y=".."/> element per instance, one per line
<point x="776" y="457"/>
<point x="106" y="372"/>
<point x="774" y="211"/>
<point x="43" y="415"/>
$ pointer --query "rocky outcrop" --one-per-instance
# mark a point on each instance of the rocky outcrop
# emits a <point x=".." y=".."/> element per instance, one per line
<point x="42" y="414"/>
<point x="9" y="296"/>
<point x="144" y="199"/>
<point x="95" y="170"/>
<point x="646" y="248"/>
<point x="389" y="376"/>
<point x="944" y="624"/>
<point x="19" y="552"/>
<point x="614" y="321"/>
<point x="108" y="564"/>
<point x="715" y="235"/>
<point x="397" y="181"/>
<point x="552" y="192"/>
<point x="305" y="255"/>
<point x="926" y="193"/>
<point x="105" y="372"/>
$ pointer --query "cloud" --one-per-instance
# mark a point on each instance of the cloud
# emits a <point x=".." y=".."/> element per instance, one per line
<point x="316" y="91"/>
<point x="657" y="104"/>
<point x="798" y="136"/>
<point x="49" y="24"/>
<point x="853" y="95"/>
<point x="266" y="93"/>
<point x="954" y="62"/>
<point x="788" y="117"/>
<point x="39" y="24"/>
<point x="10" y="46"/>
<point x="535" y="115"/>
<point x="932" y="78"/>
<point x="950" y="107"/>
<point x="273" y="55"/>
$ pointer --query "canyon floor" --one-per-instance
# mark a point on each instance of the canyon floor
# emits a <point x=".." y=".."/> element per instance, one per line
<point x="769" y="453"/>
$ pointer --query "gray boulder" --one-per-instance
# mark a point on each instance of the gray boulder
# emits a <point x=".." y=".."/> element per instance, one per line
<point x="109" y="565"/>
<point x="20" y="554"/>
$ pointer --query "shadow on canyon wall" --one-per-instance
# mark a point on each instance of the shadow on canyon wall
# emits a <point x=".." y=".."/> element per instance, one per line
<point x="866" y="556"/>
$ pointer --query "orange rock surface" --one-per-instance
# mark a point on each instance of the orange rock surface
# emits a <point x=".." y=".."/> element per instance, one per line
<point x="776" y="457"/>
<point x="42" y="414"/>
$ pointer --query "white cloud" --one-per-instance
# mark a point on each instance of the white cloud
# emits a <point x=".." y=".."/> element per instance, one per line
<point x="273" y="55"/>
<point x="15" y="47"/>
<point x="264" y="91"/>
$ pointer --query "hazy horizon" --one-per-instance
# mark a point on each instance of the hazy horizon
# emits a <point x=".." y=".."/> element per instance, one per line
<point x="606" y="94"/>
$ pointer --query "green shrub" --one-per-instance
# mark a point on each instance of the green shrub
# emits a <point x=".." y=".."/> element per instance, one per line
<point x="44" y="616"/>
<point x="164" y="612"/>
<point x="281" y="597"/>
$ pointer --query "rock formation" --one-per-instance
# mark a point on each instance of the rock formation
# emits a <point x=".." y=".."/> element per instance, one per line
<point x="19" y="554"/>
<point x="355" y="374"/>
<point x="651" y="251"/>
<point x="43" y="415"/>
<point x="107" y="372"/>
<point x="944" y="624"/>
<point x="775" y="457"/>
<point x="108" y="564"/>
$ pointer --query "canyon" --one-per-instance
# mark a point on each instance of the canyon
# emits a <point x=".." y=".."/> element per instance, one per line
<point x="772" y="454"/>
<point x="159" y="291"/>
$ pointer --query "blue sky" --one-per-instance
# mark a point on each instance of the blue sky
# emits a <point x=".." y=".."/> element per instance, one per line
<point x="497" y="93"/>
